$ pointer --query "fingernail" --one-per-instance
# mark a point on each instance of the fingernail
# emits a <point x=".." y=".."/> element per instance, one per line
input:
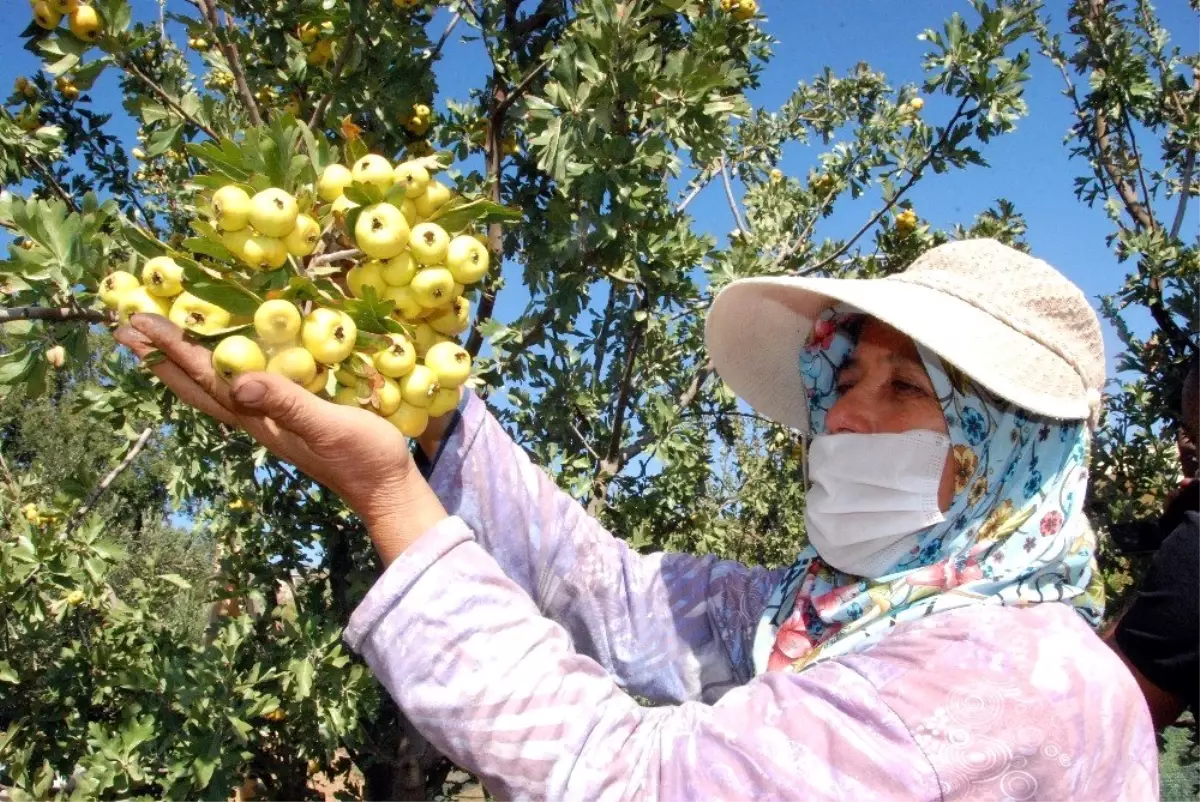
<point x="249" y="393"/>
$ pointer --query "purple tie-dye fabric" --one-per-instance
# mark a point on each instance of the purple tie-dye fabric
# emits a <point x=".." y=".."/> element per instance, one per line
<point x="515" y="634"/>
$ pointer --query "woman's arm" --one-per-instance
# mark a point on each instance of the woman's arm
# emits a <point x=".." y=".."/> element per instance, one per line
<point x="669" y="627"/>
<point x="498" y="689"/>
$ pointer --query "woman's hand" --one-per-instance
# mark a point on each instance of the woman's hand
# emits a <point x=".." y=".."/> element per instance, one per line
<point x="358" y="455"/>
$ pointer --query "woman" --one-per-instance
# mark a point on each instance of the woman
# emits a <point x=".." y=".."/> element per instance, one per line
<point x="935" y="644"/>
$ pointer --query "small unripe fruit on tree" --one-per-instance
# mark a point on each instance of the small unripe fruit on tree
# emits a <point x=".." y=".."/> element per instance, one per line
<point x="388" y="394"/>
<point x="84" y="22"/>
<point x="264" y="253"/>
<point x="399" y="270"/>
<point x="294" y="363"/>
<point x="454" y="321"/>
<point x="381" y="231"/>
<point x="413" y="176"/>
<point x="364" y="275"/>
<point x="277" y="321"/>
<point x="45" y="16"/>
<point x="450" y="362"/>
<point x="407" y="305"/>
<point x="56" y="356"/>
<point x="435" y="196"/>
<point x="231" y="208"/>
<point x="163" y="276"/>
<point x="444" y="401"/>
<point x="304" y="237"/>
<point x="64" y="6"/>
<point x="398" y="359"/>
<point x="428" y="243"/>
<point x="329" y="335"/>
<point x="236" y="355"/>
<point x="433" y="287"/>
<point x="195" y="314"/>
<point x="410" y="420"/>
<point x="139" y="301"/>
<point x="114" y="285"/>
<point x="424" y="338"/>
<point x="467" y="259"/>
<point x="375" y="170"/>
<point x="273" y="212"/>
<point x="333" y="182"/>
<point x="419" y="386"/>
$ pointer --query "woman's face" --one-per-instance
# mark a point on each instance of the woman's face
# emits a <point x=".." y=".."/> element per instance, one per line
<point x="883" y="389"/>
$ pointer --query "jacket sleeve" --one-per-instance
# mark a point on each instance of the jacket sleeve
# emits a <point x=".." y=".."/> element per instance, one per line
<point x="499" y="689"/>
<point x="668" y="627"/>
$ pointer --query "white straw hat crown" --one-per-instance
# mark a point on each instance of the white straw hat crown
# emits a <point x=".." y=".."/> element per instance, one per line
<point x="1006" y="319"/>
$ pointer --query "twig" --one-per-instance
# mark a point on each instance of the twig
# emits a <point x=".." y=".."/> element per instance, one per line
<point x="583" y="442"/>
<point x="336" y="256"/>
<point x="8" y="478"/>
<point x="685" y="400"/>
<point x="916" y="174"/>
<point x="733" y="207"/>
<point x="225" y="41"/>
<point x="95" y="495"/>
<point x="50" y="180"/>
<point x="701" y="182"/>
<point x="162" y="95"/>
<point x="57" y="314"/>
<point x="338" y="66"/>
<point x="1185" y="190"/>
<point x="441" y="42"/>
<point x="1137" y="159"/>
<point x="519" y="89"/>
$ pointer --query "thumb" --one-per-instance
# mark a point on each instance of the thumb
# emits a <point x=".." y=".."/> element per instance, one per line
<point x="288" y="404"/>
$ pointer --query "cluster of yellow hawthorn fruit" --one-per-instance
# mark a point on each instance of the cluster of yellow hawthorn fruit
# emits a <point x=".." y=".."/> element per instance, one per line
<point x="403" y="256"/>
<point x="82" y="19"/>
<point x="742" y="10"/>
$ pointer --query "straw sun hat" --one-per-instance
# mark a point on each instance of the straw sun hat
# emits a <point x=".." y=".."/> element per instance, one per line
<point x="1009" y="321"/>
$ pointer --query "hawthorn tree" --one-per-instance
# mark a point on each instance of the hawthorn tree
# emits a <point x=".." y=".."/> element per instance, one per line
<point x="601" y="122"/>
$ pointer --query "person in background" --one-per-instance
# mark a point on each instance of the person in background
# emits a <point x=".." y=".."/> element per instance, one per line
<point x="934" y="642"/>
<point x="1159" y="636"/>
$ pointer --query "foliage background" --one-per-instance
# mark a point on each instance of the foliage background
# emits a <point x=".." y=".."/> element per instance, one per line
<point x="633" y="135"/>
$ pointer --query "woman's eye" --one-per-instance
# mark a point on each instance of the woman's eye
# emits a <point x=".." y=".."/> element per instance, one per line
<point x="908" y="387"/>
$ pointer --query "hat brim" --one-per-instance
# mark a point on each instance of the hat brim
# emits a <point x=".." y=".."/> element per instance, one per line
<point x="756" y="328"/>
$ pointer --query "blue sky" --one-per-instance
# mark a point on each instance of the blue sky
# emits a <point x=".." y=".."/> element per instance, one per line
<point x="1028" y="167"/>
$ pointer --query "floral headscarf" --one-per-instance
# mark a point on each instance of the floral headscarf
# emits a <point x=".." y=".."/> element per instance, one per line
<point x="1015" y="532"/>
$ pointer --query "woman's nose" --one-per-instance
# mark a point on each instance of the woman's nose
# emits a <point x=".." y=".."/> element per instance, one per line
<point x="851" y="413"/>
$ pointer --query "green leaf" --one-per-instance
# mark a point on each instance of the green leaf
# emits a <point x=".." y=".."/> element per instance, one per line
<point x="176" y="580"/>
<point x="229" y="295"/>
<point x="454" y="217"/>
<point x="302" y="671"/>
<point x="372" y="314"/>
<point x="7" y="674"/>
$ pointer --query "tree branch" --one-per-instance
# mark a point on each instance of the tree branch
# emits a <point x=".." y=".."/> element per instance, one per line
<point x="52" y="182"/>
<point x="336" y="256"/>
<point x="916" y="174"/>
<point x="95" y="495"/>
<point x="162" y="95"/>
<point x="338" y="66"/>
<point x="441" y="42"/>
<point x="685" y="400"/>
<point x="224" y="39"/>
<point x="733" y="207"/>
<point x="1185" y="190"/>
<point x="523" y="85"/>
<point x="55" y="314"/>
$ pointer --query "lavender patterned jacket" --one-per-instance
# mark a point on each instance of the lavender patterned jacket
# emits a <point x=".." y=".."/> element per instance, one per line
<point x="514" y="634"/>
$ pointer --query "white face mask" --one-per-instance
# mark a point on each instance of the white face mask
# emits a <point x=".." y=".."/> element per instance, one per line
<point x="870" y="496"/>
